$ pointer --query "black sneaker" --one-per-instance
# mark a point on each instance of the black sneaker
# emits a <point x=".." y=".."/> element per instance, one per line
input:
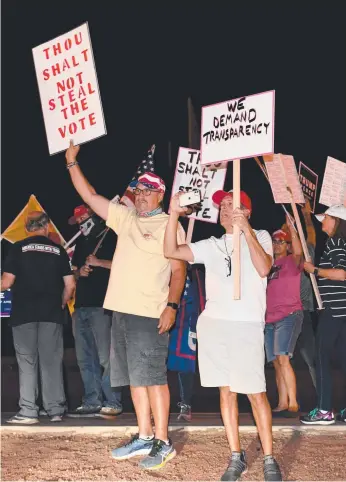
<point x="85" y="411"/>
<point x="237" y="466"/>
<point x="185" y="412"/>
<point x="271" y="469"/>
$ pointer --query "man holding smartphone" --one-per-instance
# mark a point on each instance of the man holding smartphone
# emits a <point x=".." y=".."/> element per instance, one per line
<point x="230" y="332"/>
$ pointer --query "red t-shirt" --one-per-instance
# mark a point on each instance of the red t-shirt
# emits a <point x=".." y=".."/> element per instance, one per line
<point x="283" y="290"/>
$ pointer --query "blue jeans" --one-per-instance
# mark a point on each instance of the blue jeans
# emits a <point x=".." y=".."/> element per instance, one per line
<point x="186" y="382"/>
<point x="280" y="338"/>
<point x="92" y="333"/>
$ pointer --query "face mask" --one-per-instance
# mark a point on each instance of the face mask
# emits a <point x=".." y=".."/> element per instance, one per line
<point x="86" y="226"/>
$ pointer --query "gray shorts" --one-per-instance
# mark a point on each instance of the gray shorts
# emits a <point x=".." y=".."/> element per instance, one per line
<point x="138" y="353"/>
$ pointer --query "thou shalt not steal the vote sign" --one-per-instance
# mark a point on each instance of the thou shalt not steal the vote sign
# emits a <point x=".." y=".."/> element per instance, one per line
<point x="238" y="128"/>
<point x="69" y="93"/>
<point x="190" y="174"/>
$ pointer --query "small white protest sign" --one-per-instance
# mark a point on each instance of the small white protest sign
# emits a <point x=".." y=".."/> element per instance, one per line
<point x="334" y="183"/>
<point x="190" y="174"/>
<point x="282" y="173"/>
<point x="238" y="129"/>
<point x="67" y="83"/>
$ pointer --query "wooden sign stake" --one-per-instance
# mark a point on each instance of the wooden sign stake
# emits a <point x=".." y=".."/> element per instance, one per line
<point x="303" y="241"/>
<point x="236" y="231"/>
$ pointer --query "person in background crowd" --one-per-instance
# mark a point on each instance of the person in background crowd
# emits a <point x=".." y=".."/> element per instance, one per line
<point x="183" y="339"/>
<point x="230" y="332"/>
<point x="284" y="316"/>
<point x="306" y="339"/>
<point x="331" y="327"/>
<point x="91" y="323"/>
<point x="143" y="291"/>
<point x="39" y="273"/>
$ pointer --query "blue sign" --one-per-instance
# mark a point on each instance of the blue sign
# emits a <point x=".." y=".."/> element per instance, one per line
<point x="6" y="303"/>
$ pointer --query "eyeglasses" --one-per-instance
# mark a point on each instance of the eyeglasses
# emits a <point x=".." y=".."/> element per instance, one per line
<point x="145" y="192"/>
<point x="279" y="241"/>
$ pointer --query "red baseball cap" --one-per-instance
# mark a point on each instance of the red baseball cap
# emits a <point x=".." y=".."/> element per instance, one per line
<point x="151" y="181"/>
<point x="218" y="196"/>
<point x="78" y="212"/>
<point x="281" y="235"/>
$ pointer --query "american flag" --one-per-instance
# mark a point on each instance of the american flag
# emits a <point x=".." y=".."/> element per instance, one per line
<point x="147" y="165"/>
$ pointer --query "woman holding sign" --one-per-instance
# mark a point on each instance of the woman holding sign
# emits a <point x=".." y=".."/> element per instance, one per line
<point x="332" y="321"/>
<point x="284" y="316"/>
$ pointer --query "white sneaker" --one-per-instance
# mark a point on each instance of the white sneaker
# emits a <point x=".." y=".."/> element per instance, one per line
<point x="20" y="419"/>
<point x="42" y="413"/>
<point x="110" y="411"/>
<point x="56" y="418"/>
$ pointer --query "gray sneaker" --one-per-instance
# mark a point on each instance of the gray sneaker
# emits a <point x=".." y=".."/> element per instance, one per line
<point x="136" y="446"/>
<point x="160" y="454"/>
<point x="185" y="412"/>
<point x="84" y="411"/>
<point x="237" y="466"/>
<point x="22" y="420"/>
<point x="271" y="469"/>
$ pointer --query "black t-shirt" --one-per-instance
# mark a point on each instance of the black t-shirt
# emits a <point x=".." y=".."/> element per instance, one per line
<point x="39" y="266"/>
<point x="91" y="291"/>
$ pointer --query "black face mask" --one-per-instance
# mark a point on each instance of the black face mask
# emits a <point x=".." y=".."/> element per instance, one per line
<point x="92" y="226"/>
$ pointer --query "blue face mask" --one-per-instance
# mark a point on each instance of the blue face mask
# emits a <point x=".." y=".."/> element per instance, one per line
<point x="151" y="213"/>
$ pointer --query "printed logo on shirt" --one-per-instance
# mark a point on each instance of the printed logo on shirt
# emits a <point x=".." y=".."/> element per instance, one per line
<point x="42" y="248"/>
<point x="274" y="273"/>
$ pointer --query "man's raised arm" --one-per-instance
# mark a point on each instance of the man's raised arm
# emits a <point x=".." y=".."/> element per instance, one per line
<point x="97" y="203"/>
<point x="171" y="248"/>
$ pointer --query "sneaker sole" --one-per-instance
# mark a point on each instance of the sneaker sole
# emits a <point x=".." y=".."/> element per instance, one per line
<point x="23" y="422"/>
<point x="133" y="454"/>
<point x="84" y="415"/>
<point x="318" y="423"/>
<point x="163" y="463"/>
<point x="240" y="476"/>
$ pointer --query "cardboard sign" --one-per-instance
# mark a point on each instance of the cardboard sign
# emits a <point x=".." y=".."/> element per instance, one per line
<point x="6" y="303"/>
<point x="238" y="128"/>
<point x="70" y="97"/>
<point x="190" y="174"/>
<point x="309" y="182"/>
<point x="334" y="183"/>
<point x="282" y="173"/>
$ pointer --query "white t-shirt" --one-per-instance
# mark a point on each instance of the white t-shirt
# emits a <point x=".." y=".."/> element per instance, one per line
<point x="219" y="287"/>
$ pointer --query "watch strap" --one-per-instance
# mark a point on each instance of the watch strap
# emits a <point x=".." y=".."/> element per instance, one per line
<point x="175" y="306"/>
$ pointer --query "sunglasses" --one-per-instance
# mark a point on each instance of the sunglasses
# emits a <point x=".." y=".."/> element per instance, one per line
<point x="145" y="192"/>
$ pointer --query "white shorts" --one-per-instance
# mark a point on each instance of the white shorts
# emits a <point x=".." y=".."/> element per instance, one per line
<point x="231" y="353"/>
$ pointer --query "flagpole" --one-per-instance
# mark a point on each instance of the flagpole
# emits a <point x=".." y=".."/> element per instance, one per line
<point x="191" y="224"/>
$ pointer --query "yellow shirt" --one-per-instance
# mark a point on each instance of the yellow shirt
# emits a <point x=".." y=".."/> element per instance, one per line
<point x="140" y="274"/>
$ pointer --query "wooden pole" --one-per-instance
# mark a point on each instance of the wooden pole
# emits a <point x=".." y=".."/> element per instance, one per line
<point x="302" y="240"/>
<point x="236" y="231"/>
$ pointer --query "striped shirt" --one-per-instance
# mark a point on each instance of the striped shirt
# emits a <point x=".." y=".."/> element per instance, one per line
<point x="333" y="293"/>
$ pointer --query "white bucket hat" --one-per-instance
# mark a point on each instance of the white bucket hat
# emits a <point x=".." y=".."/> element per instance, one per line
<point x="338" y="211"/>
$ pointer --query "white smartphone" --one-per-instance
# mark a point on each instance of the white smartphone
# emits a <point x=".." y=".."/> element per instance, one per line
<point x="190" y="197"/>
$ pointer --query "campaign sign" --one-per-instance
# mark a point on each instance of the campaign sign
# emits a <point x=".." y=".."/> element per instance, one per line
<point x="309" y="182"/>
<point x="6" y="304"/>
<point x="70" y="97"/>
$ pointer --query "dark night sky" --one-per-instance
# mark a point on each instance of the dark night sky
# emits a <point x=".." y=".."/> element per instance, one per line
<point x="149" y="60"/>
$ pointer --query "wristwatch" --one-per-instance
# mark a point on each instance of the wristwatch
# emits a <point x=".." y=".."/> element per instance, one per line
<point x="316" y="270"/>
<point x="175" y="306"/>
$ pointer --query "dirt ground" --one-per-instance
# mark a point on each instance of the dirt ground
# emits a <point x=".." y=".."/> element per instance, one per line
<point x="201" y="456"/>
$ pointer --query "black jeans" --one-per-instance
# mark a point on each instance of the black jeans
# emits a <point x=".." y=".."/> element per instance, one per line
<point x="306" y="345"/>
<point x="186" y="382"/>
<point x="329" y="331"/>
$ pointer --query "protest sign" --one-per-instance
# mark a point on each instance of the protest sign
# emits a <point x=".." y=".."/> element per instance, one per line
<point x="190" y="174"/>
<point x="282" y="173"/>
<point x="70" y="97"/>
<point x="238" y="129"/>
<point x="334" y="183"/>
<point x="6" y="303"/>
<point x="309" y="181"/>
